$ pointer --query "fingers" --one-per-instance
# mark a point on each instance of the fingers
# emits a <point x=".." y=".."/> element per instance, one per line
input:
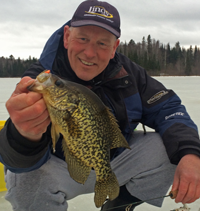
<point x="187" y="179"/>
<point x="193" y="193"/>
<point x="185" y="194"/>
<point x="22" y="85"/>
<point x="23" y="100"/>
<point x="175" y="185"/>
<point x="34" y="128"/>
<point x="32" y="121"/>
<point x="182" y="195"/>
<point x="21" y="97"/>
<point x="28" y="111"/>
<point x="197" y="195"/>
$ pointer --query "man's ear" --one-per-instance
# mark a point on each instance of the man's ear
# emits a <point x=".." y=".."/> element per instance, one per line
<point x="66" y="36"/>
<point x="115" y="48"/>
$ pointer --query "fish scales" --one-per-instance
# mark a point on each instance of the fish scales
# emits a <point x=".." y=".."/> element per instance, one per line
<point x="83" y="146"/>
<point x="89" y="131"/>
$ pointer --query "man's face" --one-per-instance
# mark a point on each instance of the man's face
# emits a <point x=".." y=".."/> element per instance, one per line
<point x="90" y="49"/>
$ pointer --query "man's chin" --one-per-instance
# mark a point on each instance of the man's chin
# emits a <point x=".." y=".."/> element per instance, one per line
<point x="85" y="77"/>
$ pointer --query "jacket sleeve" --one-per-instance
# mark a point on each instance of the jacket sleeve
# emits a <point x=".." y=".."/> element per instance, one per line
<point x="17" y="153"/>
<point x="34" y="70"/>
<point x="163" y="111"/>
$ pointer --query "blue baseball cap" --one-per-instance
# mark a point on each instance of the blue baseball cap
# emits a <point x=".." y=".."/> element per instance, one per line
<point x="97" y="13"/>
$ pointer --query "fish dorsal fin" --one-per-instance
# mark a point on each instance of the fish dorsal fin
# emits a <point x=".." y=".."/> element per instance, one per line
<point x="77" y="169"/>
<point x="116" y="137"/>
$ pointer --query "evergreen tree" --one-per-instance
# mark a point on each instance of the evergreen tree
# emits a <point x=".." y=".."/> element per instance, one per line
<point x="11" y="67"/>
<point x="149" y="46"/>
<point x="168" y="54"/>
<point x="188" y="68"/>
<point x="154" y="56"/>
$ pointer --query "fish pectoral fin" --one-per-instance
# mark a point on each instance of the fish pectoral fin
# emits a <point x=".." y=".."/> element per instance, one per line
<point x="54" y="135"/>
<point x="107" y="187"/>
<point x="77" y="169"/>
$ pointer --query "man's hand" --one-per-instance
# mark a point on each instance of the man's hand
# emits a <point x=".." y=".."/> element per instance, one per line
<point x="187" y="179"/>
<point x="28" y="111"/>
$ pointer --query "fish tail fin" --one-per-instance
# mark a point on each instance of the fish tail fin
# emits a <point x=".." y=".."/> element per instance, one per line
<point x="107" y="187"/>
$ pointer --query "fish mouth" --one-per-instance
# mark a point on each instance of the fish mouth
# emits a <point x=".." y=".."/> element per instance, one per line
<point x="30" y="87"/>
<point x="36" y="86"/>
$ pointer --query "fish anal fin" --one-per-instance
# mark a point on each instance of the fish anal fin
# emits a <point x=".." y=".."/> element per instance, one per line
<point x="107" y="187"/>
<point x="77" y="169"/>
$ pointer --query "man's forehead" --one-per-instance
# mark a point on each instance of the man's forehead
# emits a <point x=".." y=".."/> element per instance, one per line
<point x="91" y="29"/>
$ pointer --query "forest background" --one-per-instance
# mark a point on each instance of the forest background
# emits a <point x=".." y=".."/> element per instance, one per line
<point x="158" y="59"/>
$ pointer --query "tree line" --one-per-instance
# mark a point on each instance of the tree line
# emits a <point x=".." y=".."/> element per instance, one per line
<point x="160" y="59"/>
<point x="155" y="57"/>
<point x="11" y="67"/>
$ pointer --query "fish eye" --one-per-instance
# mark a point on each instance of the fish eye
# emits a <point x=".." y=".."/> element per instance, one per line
<point x="59" y="83"/>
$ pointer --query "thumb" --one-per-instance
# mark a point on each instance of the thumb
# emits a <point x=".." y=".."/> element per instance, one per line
<point x="175" y="185"/>
<point x="22" y="86"/>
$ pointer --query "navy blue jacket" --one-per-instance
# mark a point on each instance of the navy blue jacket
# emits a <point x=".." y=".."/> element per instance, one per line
<point x="133" y="96"/>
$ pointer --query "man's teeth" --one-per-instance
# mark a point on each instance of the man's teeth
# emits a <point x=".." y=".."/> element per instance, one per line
<point x="87" y="63"/>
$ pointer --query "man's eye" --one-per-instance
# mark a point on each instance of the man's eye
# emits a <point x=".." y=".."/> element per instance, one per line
<point x="82" y="40"/>
<point x="59" y="83"/>
<point x="103" y="45"/>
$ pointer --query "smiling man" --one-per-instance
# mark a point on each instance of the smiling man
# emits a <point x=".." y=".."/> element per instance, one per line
<point x="84" y="51"/>
<point x="90" y="49"/>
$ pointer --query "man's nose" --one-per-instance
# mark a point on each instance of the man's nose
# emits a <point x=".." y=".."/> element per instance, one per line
<point x="90" y="50"/>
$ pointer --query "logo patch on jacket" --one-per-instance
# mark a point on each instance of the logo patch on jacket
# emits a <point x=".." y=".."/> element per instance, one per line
<point x="157" y="96"/>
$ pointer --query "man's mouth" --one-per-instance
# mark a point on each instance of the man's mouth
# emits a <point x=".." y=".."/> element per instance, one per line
<point x="86" y="63"/>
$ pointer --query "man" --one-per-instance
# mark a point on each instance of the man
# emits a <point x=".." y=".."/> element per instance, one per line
<point x="83" y="51"/>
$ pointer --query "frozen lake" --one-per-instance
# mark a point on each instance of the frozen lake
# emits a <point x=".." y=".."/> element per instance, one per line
<point x="188" y="89"/>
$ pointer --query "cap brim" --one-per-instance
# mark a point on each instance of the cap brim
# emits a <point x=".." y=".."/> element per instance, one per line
<point x="95" y="23"/>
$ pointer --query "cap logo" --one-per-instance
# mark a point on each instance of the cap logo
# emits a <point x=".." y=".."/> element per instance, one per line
<point x="98" y="10"/>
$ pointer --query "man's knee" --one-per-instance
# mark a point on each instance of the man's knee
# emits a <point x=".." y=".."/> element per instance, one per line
<point x="34" y="191"/>
<point x="147" y="156"/>
<point x="150" y="147"/>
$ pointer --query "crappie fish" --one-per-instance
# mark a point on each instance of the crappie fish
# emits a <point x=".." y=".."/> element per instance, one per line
<point x="89" y="131"/>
